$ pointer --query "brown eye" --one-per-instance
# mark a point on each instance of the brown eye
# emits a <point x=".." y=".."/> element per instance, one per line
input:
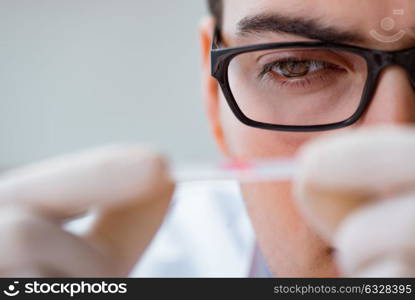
<point x="293" y="68"/>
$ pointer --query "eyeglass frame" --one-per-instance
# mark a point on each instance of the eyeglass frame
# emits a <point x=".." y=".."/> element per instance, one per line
<point x="376" y="60"/>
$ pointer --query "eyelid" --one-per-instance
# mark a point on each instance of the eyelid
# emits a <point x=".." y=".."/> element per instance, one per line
<point x="303" y="82"/>
<point x="330" y="57"/>
<point x="267" y="68"/>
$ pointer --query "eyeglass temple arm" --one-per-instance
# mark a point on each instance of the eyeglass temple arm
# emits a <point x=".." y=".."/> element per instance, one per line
<point x="216" y="41"/>
<point x="216" y="38"/>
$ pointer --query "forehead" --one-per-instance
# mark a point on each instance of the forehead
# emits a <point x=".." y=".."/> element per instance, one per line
<point x="352" y="15"/>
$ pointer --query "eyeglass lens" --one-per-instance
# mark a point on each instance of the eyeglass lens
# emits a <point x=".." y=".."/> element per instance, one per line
<point x="298" y="86"/>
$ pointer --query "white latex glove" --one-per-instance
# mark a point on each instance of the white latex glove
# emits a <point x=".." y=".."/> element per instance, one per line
<point x="358" y="189"/>
<point x="128" y="188"/>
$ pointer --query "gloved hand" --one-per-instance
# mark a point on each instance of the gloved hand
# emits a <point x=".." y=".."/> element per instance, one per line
<point x="127" y="187"/>
<point x="358" y="189"/>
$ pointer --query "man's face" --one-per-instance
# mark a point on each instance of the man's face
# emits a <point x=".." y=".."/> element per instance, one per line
<point x="290" y="246"/>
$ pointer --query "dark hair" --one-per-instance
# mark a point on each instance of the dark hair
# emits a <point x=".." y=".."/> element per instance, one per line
<point x="216" y="9"/>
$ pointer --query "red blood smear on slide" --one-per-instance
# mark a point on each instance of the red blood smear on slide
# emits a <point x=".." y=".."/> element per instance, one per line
<point x="236" y="165"/>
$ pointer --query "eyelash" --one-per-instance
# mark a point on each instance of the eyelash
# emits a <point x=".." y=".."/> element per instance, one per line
<point x="301" y="81"/>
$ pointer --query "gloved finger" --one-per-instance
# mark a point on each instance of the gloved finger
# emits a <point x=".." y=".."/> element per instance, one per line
<point x="70" y="185"/>
<point x="124" y="233"/>
<point x="35" y="246"/>
<point x="378" y="239"/>
<point x="127" y="186"/>
<point x="341" y="172"/>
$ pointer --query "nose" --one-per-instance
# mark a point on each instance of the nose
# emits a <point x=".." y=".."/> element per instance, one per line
<point x="393" y="101"/>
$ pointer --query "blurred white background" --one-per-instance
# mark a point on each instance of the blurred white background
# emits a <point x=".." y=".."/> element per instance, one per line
<point x="80" y="73"/>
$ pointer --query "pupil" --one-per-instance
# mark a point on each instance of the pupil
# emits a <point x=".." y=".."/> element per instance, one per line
<point x="294" y="68"/>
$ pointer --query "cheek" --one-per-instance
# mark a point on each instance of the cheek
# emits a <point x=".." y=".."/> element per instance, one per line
<point x="274" y="213"/>
<point x="248" y="142"/>
<point x="271" y="203"/>
<point x="283" y="234"/>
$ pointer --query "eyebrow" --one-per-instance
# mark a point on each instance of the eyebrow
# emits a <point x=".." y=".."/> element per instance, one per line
<point x="301" y="26"/>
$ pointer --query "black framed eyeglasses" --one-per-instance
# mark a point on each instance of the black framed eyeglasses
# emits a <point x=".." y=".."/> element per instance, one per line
<point x="301" y="86"/>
